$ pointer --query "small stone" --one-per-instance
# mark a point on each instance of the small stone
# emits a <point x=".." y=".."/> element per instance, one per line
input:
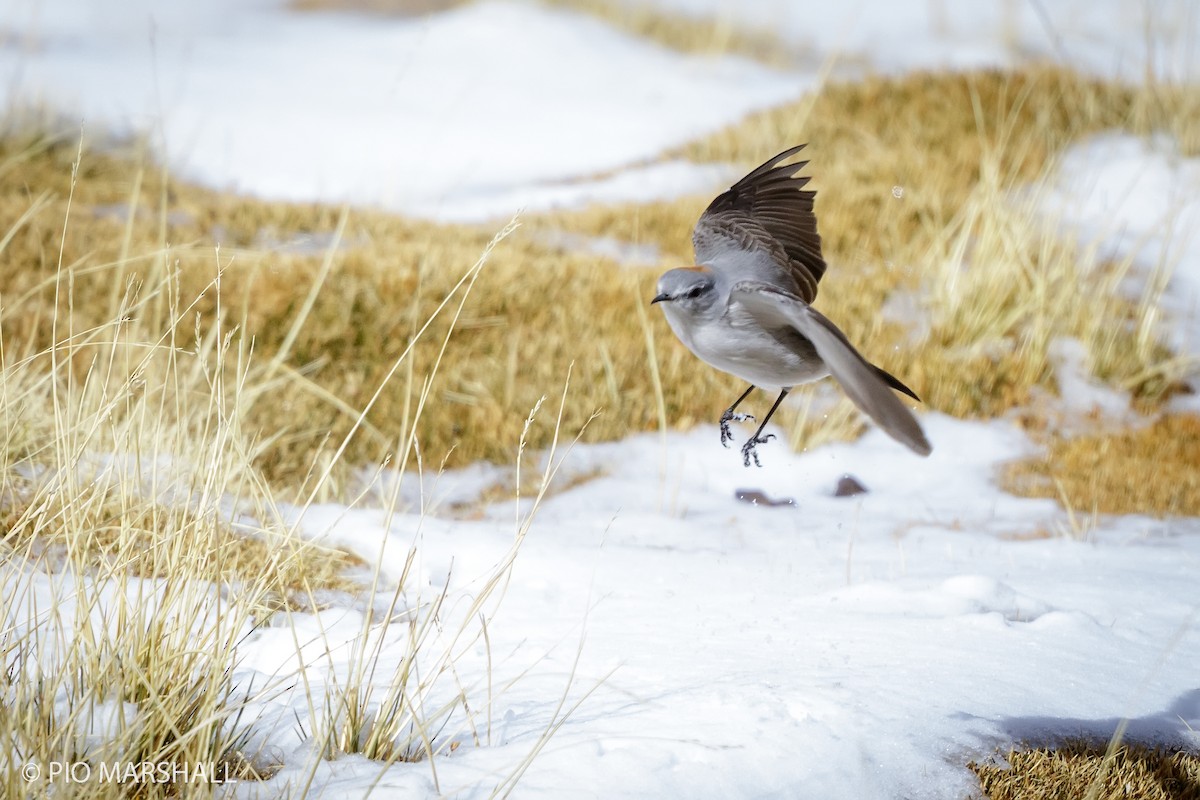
<point x="848" y="486"/>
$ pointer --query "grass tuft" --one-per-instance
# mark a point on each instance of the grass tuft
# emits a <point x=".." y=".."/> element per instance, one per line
<point x="1085" y="770"/>
<point x="140" y="539"/>
<point x="1149" y="470"/>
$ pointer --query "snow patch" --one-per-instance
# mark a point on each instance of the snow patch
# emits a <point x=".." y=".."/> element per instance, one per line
<point x="468" y="114"/>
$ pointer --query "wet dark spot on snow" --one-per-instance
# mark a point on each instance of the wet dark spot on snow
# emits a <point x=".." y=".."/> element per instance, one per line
<point x="756" y="497"/>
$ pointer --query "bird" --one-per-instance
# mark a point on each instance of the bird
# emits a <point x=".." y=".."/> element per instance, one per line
<point x="746" y="308"/>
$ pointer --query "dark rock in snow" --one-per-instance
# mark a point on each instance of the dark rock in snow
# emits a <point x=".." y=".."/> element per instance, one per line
<point x="848" y="486"/>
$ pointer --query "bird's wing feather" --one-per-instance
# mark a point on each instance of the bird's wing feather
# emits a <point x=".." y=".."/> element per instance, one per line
<point x="764" y="228"/>
<point x="857" y="376"/>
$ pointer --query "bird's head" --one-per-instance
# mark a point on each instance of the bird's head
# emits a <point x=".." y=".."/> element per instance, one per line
<point x="687" y="289"/>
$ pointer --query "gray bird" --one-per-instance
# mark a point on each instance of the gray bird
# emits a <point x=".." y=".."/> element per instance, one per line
<point x="746" y="308"/>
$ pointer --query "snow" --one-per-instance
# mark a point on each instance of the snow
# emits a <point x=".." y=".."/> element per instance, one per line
<point x="1080" y="395"/>
<point x="1093" y="35"/>
<point x="469" y="114"/>
<point x="867" y="646"/>
<point x="624" y="253"/>
<point x="1140" y="199"/>
<point x="480" y="111"/>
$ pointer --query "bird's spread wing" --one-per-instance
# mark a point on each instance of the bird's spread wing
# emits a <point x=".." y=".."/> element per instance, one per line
<point x="764" y="228"/>
<point x="857" y="376"/>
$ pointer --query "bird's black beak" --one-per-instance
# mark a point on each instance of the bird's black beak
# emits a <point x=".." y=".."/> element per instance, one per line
<point x="660" y="298"/>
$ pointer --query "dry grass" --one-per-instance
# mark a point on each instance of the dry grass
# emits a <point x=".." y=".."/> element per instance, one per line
<point x="368" y="301"/>
<point x="1082" y="770"/>
<point x="695" y="35"/>
<point x="141" y="542"/>
<point x="1150" y="470"/>
<point x="916" y="179"/>
<point x="112" y="530"/>
<point x="921" y="174"/>
<point x="914" y="174"/>
<point x="115" y="425"/>
<point x="125" y="590"/>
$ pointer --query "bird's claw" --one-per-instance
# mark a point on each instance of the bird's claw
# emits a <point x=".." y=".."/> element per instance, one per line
<point x="750" y="449"/>
<point x="728" y="417"/>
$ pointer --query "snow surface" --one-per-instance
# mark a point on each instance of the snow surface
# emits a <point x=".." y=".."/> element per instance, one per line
<point x="841" y="647"/>
<point x="1115" y="38"/>
<point x="1141" y="200"/>
<point x="832" y="647"/>
<point x="473" y="113"/>
<point x="480" y="111"/>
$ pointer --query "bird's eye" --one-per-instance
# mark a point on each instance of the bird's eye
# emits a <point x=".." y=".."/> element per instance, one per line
<point x="695" y="292"/>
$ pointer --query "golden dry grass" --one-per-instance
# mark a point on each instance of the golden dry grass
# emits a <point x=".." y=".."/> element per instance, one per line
<point x="954" y="145"/>
<point x="507" y="351"/>
<point x="117" y="531"/>
<point x="1150" y="470"/>
<point x="1082" y="770"/>
<point x="115" y="381"/>
<point x="695" y="35"/>
<point x="914" y="178"/>
<point x="144" y="546"/>
<point x="917" y="176"/>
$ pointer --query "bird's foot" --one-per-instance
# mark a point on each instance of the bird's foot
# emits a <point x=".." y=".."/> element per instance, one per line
<point x="750" y="449"/>
<point x="728" y="417"/>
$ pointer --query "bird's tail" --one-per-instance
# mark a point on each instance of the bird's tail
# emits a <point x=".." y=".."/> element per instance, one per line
<point x="894" y="382"/>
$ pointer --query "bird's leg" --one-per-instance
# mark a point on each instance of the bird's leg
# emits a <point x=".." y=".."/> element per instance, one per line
<point x="749" y="450"/>
<point x="729" y="416"/>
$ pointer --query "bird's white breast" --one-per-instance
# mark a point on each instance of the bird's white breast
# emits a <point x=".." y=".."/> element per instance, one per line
<point x="737" y="344"/>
